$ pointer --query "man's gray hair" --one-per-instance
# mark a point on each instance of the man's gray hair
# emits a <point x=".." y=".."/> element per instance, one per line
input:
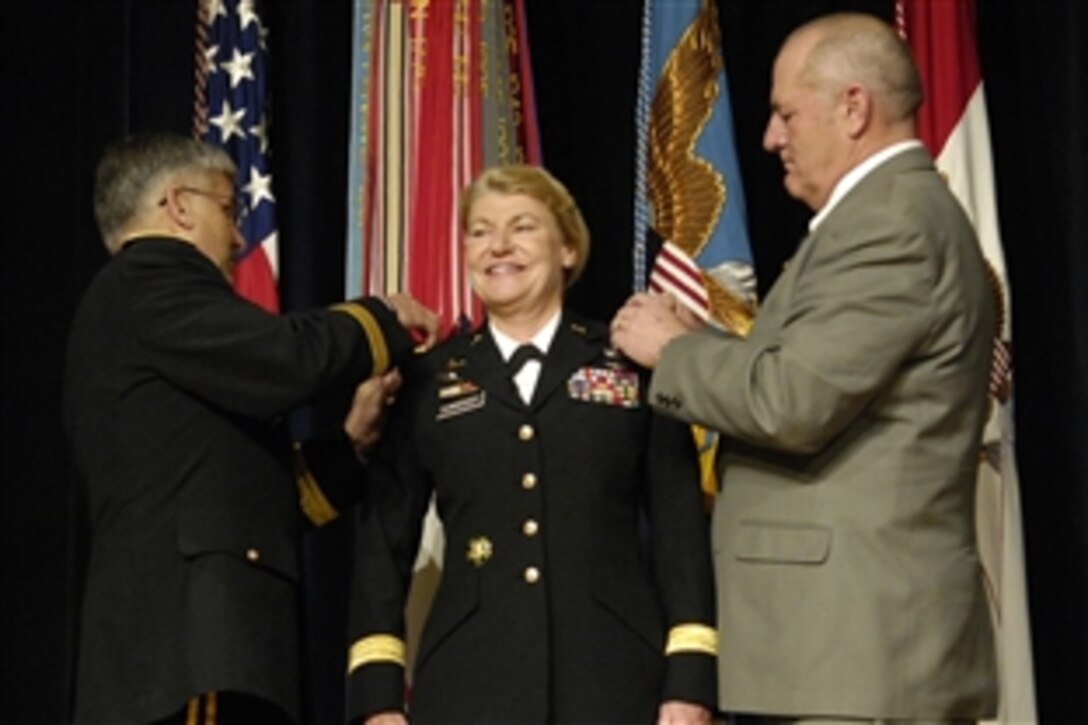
<point x="131" y="167"/>
<point x="858" y="48"/>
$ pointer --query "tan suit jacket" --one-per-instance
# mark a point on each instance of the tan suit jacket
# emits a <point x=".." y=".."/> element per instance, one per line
<point x="847" y="573"/>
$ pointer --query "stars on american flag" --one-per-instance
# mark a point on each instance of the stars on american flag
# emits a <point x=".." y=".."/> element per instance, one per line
<point x="229" y="122"/>
<point x="216" y="9"/>
<point x="247" y="13"/>
<point x="240" y="67"/>
<point x="260" y="132"/>
<point x="236" y="61"/>
<point x="259" y="187"/>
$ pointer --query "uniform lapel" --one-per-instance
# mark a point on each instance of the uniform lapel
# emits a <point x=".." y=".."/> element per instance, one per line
<point x="575" y="344"/>
<point x="485" y="365"/>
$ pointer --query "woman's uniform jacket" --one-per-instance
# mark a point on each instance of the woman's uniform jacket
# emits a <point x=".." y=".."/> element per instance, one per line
<point x="844" y="537"/>
<point x="576" y="553"/>
<point x="174" y="388"/>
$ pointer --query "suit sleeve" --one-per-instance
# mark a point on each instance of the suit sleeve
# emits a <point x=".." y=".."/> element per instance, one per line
<point x="682" y="565"/>
<point x="853" y="316"/>
<point x="388" y="530"/>
<point x="232" y="354"/>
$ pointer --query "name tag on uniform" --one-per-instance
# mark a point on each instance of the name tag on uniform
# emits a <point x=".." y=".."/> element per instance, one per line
<point x="607" y="386"/>
<point x="460" y="406"/>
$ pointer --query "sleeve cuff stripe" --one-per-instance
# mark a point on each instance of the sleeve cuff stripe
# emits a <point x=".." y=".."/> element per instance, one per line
<point x="376" y="648"/>
<point x="373" y="331"/>
<point x="692" y="638"/>
<point x="312" y="500"/>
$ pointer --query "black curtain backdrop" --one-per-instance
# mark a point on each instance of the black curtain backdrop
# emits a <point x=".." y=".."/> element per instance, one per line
<point x="78" y="73"/>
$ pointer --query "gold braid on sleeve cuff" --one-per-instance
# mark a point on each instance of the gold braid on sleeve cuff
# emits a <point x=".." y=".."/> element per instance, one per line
<point x="378" y="349"/>
<point x="311" y="499"/>
<point x="692" y="638"/>
<point x="376" y="648"/>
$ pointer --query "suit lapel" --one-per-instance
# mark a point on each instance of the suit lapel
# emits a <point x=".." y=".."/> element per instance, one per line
<point x="845" y="214"/>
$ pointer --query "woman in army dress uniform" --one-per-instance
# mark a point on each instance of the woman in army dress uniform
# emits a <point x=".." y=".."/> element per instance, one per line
<point x="576" y="585"/>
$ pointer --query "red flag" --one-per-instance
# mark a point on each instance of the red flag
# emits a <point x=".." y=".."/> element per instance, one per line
<point x="953" y="124"/>
<point x="440" y="91"/>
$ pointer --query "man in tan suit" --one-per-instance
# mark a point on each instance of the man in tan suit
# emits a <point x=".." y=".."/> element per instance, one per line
<point x="849" y="585"/>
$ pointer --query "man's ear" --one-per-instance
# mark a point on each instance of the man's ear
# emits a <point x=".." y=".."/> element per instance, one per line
<point x="857" y="104"/>
<point x="177" y="205"/>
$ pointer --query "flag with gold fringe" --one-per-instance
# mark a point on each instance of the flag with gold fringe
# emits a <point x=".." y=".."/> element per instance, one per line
<point x="953" y="124"/>
<point x="441" y="90"/>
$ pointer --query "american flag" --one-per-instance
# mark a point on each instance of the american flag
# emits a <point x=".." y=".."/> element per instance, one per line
<point x="231" y="110"/>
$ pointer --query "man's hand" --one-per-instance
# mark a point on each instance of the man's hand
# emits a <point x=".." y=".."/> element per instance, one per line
<point x="415" y="317"/>
<point x="363" y="423"/>
<point x="675" y="712"/>
<point x="643" y="326"/>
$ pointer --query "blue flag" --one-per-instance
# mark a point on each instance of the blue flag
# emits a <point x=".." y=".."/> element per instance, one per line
<point x="689" y="190"/>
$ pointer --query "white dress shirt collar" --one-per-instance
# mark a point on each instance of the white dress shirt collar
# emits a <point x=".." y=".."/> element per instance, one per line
<point x="542" y="339"/>
<point x="853" y="177"/>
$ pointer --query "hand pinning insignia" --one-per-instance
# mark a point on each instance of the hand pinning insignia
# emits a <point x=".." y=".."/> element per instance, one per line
<point x="479" y="551"/>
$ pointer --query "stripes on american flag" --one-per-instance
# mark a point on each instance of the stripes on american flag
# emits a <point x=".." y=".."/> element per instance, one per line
<point x="675" y="272"/>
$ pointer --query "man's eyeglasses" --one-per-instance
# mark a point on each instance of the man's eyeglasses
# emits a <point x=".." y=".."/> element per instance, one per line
<point x="234" y="208"/>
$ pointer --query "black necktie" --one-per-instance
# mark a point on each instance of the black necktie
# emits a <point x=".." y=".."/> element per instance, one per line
<point x="522" y="355"/>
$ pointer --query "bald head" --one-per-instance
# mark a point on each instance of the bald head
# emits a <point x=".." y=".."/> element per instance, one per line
<point x="844" y="87"/>
<point x="852" y="48"/>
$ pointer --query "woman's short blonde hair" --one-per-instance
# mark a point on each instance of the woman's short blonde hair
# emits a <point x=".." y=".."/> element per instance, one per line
<point x="536" y="183"/>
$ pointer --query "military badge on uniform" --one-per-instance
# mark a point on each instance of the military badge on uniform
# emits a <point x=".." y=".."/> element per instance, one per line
<point x="607" y="385"/>
<point x="479" y="550"/>
<point x="456" y="388"/>
<point x="462" y="405"/>
<point x="614" y="360"/>
<point x="455" y="394"/>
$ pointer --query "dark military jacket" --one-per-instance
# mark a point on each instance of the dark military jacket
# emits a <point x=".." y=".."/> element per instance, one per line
<point x="576" y="547"/>
<point x="174" y="388"/>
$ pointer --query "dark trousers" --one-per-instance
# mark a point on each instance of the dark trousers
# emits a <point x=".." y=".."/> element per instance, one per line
<point x="227" y="708"/>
